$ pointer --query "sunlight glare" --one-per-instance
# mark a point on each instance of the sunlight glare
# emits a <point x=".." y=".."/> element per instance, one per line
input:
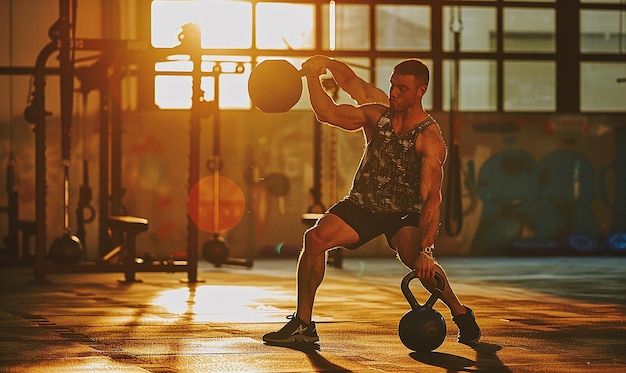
<point x="174" y="301"/>
<point x="213" y="303"/>
<point x="285" y="26"/>
<point x="223" y="23"/>
<point x="167" y="18"/>
<point x="332" y="16"/>
<point x="186" y="66"/>
<point x="172" y="92"/>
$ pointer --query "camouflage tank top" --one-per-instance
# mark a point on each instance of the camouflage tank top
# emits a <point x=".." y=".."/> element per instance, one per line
<point x="388" y="177"/>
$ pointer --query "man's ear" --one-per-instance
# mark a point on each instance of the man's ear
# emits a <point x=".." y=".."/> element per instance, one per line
<point x="422" y="90"/>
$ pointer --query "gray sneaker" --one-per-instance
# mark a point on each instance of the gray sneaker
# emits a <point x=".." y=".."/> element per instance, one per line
<point x="296" y="331"/>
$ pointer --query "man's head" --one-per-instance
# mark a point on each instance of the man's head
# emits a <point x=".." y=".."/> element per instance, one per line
<point x="415" y="67"/>
<point x="409" y="82"/>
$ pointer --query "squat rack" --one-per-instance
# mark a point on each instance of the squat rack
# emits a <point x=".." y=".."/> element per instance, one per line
<point x="115" y="54"/>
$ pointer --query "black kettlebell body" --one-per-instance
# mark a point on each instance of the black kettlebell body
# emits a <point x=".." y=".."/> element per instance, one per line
<point x="422" y="329"/>
<point x="66" y="249"/>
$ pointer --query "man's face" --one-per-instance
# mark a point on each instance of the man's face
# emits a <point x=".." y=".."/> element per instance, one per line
<point x="405" y="91"/>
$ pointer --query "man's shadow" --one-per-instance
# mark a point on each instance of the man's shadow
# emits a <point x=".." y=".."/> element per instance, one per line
<point x="319" y="363"/>
<point x="487" y="360"/>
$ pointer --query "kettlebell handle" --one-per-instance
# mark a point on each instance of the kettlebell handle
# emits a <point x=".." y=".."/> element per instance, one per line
<point x="404" y="286"/>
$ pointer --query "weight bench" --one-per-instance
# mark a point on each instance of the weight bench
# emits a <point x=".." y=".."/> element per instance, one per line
<point x="126" y="229"/>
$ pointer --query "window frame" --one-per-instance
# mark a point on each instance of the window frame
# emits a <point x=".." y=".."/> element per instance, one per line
<point x="567" y="55"/>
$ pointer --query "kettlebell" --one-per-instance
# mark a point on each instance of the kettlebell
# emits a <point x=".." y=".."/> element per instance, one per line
<point x="275" y="86"/>
<point x="215" y="251"/>
<point x="422" y="329"/>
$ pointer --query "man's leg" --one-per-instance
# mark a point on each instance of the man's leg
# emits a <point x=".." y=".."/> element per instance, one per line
<point x="330" y="232"/>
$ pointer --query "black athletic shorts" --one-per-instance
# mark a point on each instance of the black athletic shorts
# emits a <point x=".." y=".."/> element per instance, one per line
<point x="369" y="224"/>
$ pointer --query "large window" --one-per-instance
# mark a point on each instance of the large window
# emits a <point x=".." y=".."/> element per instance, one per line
<point x="509" y="56"/>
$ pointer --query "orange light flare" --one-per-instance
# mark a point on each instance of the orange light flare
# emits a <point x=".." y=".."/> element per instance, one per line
<point x="216" y="204"/>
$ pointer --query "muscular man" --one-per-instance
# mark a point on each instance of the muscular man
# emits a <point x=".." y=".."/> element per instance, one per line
<point x="396" y="190"/>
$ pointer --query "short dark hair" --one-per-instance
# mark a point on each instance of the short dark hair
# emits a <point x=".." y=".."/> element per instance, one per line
<point x="415" y="67"/>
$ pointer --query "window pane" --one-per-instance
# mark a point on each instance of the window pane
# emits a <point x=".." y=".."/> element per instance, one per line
<point x="285" y="26"/>
<point x="384" y="69"/>
<point x="529" y="86"/>
<point x="600" y="31"/>
<point x="176" y="65"/>
<point x="233" y="87"/>
<point x="352" y="25"/>
<point x="403" y="27"/>
<point x="167" y="18"/>
<point x="226" y="24"/>
<point x="223" y="24"/>
<point x="172" y="92"/>
<point x="599" y="87"/>
<point x="529" y="30"/>
<point x="478" y="28"/>
<point x="477" y="85"/>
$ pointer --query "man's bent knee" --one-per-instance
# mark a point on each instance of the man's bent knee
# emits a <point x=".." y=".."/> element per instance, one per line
<point x="314" y="242"/>
<point x="329" y="232"/>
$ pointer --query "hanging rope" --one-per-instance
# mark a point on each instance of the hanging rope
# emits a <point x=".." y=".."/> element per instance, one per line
<point x="454" y="206"/>
<point x="85" y="212"/>
<point x="11" y="134"/>
<point x="12" y="170"/>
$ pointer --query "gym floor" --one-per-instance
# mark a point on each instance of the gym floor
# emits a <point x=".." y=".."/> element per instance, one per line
<point x="555" y="314"/>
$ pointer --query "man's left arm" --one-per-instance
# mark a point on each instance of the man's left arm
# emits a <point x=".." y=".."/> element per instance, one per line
<point x="431" y="146"/>
<point x="361" y="91"/>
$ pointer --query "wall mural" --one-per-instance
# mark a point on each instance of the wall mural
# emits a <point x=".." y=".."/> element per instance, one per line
<point x="508" y="187"/>
<point x="544" y="206"/>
